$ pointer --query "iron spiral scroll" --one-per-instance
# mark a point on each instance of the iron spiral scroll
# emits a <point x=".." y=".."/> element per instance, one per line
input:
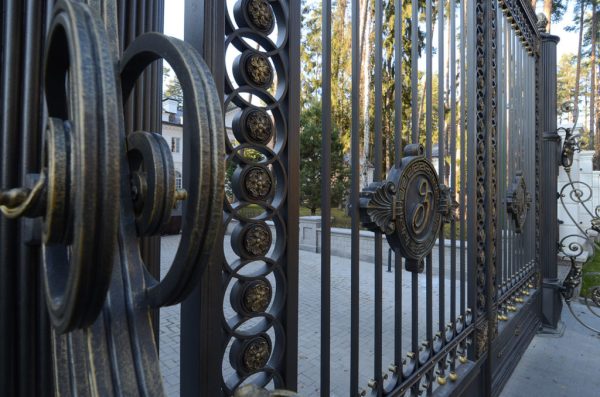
<point x="101" y="188"/>
<point x="573" y="246"/>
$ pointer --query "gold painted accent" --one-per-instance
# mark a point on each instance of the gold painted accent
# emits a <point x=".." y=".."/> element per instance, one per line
<point x="15" y="203"/>
<point x="453" y="376"/>
<point x="463" y="359"/>
<point x="393" y="368"/>
<point x="530" y="285"/>
<point x="372" y="384"/>
<point x="180" y="195"/>
<point x="256" y="355"/>
<point x="441" y="380"/>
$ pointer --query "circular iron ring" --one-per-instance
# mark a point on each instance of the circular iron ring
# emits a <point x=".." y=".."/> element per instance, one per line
<point x="204" y="153"/>
<point x="78" y="260"/>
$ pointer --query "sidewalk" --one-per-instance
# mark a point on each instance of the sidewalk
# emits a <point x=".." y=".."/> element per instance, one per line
<point x="550" y="367"/>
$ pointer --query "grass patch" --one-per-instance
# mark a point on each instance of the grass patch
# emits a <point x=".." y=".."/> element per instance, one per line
<point x="590" y="280"/>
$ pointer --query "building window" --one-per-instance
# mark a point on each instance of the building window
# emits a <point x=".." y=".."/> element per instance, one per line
<point x="175" y="145"/>
<point x="178" y="180"/>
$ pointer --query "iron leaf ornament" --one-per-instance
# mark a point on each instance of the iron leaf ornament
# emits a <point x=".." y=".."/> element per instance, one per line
<point x="409" y="207"/>
<point x="518" y="201"/>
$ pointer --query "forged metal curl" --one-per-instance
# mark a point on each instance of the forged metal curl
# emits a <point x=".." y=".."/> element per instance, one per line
<point x="580" y="193"/>
<point x="90" y="189"/>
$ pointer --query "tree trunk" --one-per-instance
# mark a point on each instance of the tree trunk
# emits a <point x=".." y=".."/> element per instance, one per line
<point x="313" y="211"/>
<point x="578" y="70"/>
<point x="547" y="12"/>
<point x="593" y="138"/>
<point x="366" y="81"/>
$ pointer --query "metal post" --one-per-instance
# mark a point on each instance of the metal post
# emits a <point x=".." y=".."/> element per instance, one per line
<point x="551" y="300"/>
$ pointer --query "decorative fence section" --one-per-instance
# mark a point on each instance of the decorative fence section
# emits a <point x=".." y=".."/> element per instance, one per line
<point x="577" y="198"/>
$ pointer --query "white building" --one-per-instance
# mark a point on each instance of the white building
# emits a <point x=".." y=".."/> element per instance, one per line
<point x="172" y="131"/>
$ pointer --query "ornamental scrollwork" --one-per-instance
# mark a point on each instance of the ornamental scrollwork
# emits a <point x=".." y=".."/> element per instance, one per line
<point x="570" y="147"/>
<point x="406" y="207"/>
<point x="518" y="201"/>
<point x="448" y="204"/>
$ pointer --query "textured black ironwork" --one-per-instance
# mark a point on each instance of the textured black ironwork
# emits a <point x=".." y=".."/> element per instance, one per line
<point x="518" y="201"/>
<point x="260" y="32"/>
<point x="406" y="207"/>
<point x="524" y="21"/>
<point x="570" y="146"/>
<point x="574" y="246"/>
<point x="79" y="202"/>
<point x="90" y="196"/>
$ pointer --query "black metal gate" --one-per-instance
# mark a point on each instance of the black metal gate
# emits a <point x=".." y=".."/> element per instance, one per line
<point x="79" y="272"/>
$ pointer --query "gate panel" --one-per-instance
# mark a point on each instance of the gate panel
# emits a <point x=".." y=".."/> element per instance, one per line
<point x="459" y="206"/>
<point x="517" y="305"/>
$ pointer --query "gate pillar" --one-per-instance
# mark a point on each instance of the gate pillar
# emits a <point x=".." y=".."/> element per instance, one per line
<point x="551" y="300"/>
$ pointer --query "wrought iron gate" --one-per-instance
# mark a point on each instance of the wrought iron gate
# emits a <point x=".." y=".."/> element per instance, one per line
<point x="79" y="272"/>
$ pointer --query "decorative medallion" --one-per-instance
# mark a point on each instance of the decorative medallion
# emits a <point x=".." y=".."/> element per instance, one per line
<point x="259" y="70"/>
<point x="258" y="183"/>
<point x="259" y="126"/>
<point x="256" y="354"/>
<point x="257" y="240"/>
<point x="261" y="15"/>
<point x="256" y="296"/>
<point x="406" y="207"/>
<point x="518" y="201"/>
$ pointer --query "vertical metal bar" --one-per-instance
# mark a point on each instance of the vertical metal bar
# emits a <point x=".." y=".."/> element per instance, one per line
<point x="398" y="49"/>
<point x="442" y="165"/>
<point x="472" y="156"/>
<point x="355" y="188"/>
<point x="200" y="371"/>
<point x="377" y="176"/>
<point x="11" y="71"/>
<point x="399" y="52"/>
<point x="326" y="208"/>
<point x="452" y="77"/>
<point x="464" y="178"/>
<point x="290" y="372"/>
<point x="500" y="162"/>
<point x="414" y="71"/>
<point x="428" y="153"/>
<point x="28" y="274"/>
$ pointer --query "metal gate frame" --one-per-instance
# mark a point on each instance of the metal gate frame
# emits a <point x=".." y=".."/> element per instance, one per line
<point x="505" y="316"/>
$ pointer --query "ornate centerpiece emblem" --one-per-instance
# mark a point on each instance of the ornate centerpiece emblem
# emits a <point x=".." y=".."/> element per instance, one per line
<point x="518" y="201"/>
<point x="407" y="207"/>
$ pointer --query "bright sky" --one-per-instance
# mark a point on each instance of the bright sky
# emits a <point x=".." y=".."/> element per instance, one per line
<point x="174" y="18"/>
<point x="568" y="40"/>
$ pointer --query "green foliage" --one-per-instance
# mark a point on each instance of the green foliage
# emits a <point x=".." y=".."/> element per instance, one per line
<point x="172" y="87"/>
<point x="311" y="161"/>
<point x="591" y="275"/>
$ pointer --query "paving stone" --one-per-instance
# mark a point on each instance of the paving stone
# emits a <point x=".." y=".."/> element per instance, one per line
<point x="541" y="372"/>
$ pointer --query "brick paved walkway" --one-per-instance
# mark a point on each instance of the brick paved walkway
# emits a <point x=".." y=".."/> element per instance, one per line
<point x="309" y="328"/>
